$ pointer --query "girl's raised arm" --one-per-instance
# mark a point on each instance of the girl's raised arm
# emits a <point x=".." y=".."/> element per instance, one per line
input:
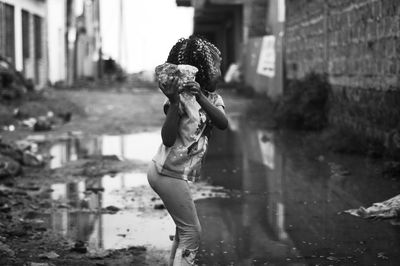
<point x="169" y="130"/>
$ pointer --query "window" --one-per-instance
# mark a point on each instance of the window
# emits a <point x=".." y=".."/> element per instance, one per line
<point x="37" y="22"/>
<point x="7" y="33"/>
<point x="25" y="35"/>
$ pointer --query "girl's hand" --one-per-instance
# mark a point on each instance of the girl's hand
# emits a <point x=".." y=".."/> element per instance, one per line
<point x="194" y="88"/>
<point x="170" y="89"/>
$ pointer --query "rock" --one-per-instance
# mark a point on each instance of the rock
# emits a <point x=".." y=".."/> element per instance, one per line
<point x="49" y="255"/>
<point x="10" y="151"/>
<point x="137" y="248"/>
<point x="5" y="249"/>
<point x="159" y="206"/>
<point x="30" y="122"/>
<point x="99" y="254"/>
<point x="30" y="187"/>
<point x="31" y="159"/>
<point x="112" y="208"/>
<point x="5" y="208"/>
<point x="19" y="232"/>
<point x="66" y="117"/>
<point x="63" y="206"/>
<point x="95" y="189"/>
<point x="42" y="125"/>
<point x="79" y="247"/>
<point x="38" y="264"/>
<point x="9" y="167"/>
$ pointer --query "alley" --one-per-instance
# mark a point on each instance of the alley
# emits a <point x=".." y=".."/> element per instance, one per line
<point x="265" y="196"/>
<point x="201" y="132"/>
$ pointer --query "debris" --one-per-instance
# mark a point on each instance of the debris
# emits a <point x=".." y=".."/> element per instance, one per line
<point x="79" y="247"/>
<point x="24" y="156"/>
<point x="38" y="264"/>
<point x="101" y="254"/>
<point x="5" y="249"/>
<point x="66" y="117"/>
<point x="383" y="210"/>
<point x="43" y="124"/>
<point x="8" y="167"/>
<point x="95" y="190"/>
<point x="31" y="159"/>
<point x="49" y="255"/>
<point x="137" y="248"/>
<point x="10" y="150"/>
<point x="112" y="209"/>
<point x="331" y="258"/>
<point x="27" y="145"/>
<point x="382" y="255"/>
<point x="159" y="206"/>
<point x="30" y="122"/>
<point x="5" y="208"/>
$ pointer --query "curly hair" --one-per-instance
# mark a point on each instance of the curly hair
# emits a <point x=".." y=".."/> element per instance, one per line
<point x="197" y="52"/>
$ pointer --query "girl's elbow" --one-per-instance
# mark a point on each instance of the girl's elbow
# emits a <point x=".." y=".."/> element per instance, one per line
<point x="223" y="125"/>
<point x="168" y="143"/>
<point x="167" y="139"/>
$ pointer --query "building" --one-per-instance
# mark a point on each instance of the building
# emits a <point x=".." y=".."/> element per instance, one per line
<point x="75" y="32"/>
<point x="248" y="32"/>
<point x="64" y="50"/>
<point x="88" y="41"/>
<point x="23" y="39"/>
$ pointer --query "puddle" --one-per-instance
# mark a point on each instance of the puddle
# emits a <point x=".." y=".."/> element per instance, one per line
<point x="284" y="206"/>
<point x="80" y="216"/>
<point x="136" y="224"/>
<point x="140" y="147"/>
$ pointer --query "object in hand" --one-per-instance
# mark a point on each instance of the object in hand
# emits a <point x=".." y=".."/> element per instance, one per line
<point x="184" y="73"/>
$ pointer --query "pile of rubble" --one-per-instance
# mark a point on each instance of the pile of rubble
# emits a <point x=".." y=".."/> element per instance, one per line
<point x="14" y="156"/>
<point x="12" y="83"/>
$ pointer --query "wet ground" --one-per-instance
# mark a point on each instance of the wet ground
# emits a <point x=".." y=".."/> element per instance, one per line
<point x="286" y="203"/>
<point x="265" y="198"/>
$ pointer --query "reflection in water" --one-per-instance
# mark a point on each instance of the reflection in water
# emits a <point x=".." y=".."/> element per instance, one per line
<point x="129" y="227"/>
<point x="285" y="206"/>
<point x="139" y="146"/>
<point x="283" y="210"/>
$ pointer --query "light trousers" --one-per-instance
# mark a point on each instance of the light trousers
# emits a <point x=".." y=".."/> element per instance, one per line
<point x="177" y="199"/>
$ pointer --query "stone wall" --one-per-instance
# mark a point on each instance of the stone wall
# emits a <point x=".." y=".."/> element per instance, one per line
<point x="356" y="43"/>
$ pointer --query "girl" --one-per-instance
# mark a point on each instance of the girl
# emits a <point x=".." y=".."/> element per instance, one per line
<point x="185" y="134"/>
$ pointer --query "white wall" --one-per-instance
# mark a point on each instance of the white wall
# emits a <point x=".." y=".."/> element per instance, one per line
<point x="33" y="7"/>
<point x="56" y="15"/>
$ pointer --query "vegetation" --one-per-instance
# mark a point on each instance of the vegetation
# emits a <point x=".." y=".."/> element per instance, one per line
<point x="304" y="105"/>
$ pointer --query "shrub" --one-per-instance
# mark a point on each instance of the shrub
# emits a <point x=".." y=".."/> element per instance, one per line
<point x="304" y="105"/>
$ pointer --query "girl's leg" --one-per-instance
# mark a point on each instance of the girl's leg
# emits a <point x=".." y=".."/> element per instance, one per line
<point x="175" y="244"/>
<point x="177" y="198"/>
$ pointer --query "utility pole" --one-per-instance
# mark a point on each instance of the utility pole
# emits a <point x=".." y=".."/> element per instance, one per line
<point x="121" y="35"/>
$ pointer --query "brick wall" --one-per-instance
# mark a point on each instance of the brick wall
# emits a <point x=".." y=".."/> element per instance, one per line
<point x="356" y="44"/>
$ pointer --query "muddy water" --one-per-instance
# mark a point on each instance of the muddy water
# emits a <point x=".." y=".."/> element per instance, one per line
<point x="286" y="204"/>
<point x="284" y="207"/>
<point x="85" y="216"/>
